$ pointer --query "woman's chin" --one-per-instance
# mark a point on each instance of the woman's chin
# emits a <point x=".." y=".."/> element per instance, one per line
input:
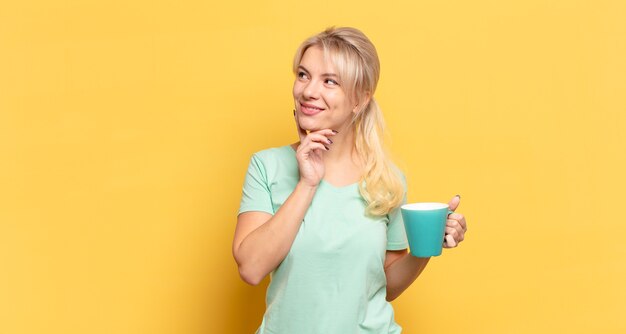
<point x="309" y="127"/>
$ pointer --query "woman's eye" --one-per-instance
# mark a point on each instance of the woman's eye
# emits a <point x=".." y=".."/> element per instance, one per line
<point x="332" y="82"/>
<point x="302" y="75"/>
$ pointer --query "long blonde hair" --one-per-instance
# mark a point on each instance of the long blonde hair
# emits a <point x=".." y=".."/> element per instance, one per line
<point x="358" y="67"/>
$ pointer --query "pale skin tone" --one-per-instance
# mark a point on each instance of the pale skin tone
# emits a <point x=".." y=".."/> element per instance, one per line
<point x="325" y="151"/>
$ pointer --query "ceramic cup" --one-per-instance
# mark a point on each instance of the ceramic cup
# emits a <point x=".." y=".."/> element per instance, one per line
<point x="425" y="225"/>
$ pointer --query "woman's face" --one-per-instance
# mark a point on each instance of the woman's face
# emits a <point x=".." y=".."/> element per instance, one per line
<point x="320" y="100"/>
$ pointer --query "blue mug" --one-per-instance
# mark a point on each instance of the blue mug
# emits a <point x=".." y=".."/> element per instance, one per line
<point x="425" y="225"/>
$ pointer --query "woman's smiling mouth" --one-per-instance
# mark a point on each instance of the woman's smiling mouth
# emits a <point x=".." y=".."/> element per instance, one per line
<point x="309" y="109"/>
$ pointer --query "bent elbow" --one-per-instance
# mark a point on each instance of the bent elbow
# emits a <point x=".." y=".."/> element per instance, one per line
<point x="249" y="271"/>
<point x="250" y="277"/>
<point x="251" y="280"/>
<point x="390" y="296"/>
<point x="245" y="273"/>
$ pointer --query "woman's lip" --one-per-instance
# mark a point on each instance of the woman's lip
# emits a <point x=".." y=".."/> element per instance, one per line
<point x="309" y="110"/>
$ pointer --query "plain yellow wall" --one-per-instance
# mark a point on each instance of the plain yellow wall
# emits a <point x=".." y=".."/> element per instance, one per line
<point x="126" y="128"/>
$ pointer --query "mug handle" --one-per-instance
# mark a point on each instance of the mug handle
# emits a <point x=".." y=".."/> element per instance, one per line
<point x="449" y="213"/>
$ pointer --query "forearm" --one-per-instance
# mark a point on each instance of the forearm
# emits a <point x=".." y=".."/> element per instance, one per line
<point x="264" y="248"/>
<point x="402" y="273"/>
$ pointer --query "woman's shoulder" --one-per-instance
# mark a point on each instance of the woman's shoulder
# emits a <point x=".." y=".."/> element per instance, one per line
<point x="275" y="156"/>
<point x="273" y="152"/>
<point x="275" y="162"/>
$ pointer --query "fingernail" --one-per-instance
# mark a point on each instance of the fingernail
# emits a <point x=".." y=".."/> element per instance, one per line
<point x="329" y="141"/>
<point x="336" y="132"/>
<point x="327" y="149"/>
<point x="459" y="196"/>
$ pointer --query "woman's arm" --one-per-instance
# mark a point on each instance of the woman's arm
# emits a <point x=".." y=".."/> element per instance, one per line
<point x="401" y="269"/>
<point x="262" y="241"/>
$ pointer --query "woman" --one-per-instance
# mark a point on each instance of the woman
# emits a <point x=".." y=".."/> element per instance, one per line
<point x="322" y="215"/>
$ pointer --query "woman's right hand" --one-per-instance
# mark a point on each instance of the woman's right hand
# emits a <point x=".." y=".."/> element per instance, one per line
<point x="310" y="153"/>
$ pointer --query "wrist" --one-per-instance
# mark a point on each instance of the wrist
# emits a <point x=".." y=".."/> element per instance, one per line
<point x="306" y="186"/>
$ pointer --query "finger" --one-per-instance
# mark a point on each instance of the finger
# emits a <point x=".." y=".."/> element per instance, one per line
<point x="301" y="132"/>
<point x="459" y="218"/>
<point x="458" y="234"/>
<point x="454" y="202"/>
<point x="450" y="243"/>
<point x="319" y="138"/>
<point x="463" y="224"/>
<point x="454" y="223"/>
<point x="312" y="146"/>
<point x="452" y="231"/>
<point x="445" y="237"/>
<point x="326" y="132"/>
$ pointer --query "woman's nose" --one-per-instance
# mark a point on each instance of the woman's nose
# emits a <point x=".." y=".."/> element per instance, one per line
<point x="311" y="90"/>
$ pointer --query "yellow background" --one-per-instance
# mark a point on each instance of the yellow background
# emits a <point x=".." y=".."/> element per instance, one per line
<point x="126" y="128"/>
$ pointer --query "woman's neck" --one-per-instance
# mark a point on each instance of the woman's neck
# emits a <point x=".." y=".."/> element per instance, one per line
<point x="341" y="163"/>
<point x="341" y="150"/>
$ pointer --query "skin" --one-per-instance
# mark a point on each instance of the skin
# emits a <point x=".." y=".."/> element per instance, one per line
<point x="325" y="151"/>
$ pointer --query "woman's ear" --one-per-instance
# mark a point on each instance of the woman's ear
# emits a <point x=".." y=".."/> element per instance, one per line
<point x="364" y="102"/>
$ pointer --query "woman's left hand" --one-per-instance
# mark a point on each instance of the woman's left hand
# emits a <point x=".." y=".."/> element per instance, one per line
<point x="455" y="225"/>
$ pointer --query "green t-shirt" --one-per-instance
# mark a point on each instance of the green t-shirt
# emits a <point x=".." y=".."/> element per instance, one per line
<point x="332" y="280"/>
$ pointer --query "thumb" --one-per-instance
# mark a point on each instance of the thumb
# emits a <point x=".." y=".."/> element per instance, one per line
<point x="454" y="202"/>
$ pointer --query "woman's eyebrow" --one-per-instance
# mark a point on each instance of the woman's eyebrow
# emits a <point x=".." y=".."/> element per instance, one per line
<point x="324" y="74"/>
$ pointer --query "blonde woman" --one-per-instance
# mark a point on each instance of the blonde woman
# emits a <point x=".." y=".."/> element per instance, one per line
<point x="322" y="215"/>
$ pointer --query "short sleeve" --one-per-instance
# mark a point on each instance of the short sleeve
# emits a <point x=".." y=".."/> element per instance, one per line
<point x="396" y="234"/>
<point x="256" y="195"/>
